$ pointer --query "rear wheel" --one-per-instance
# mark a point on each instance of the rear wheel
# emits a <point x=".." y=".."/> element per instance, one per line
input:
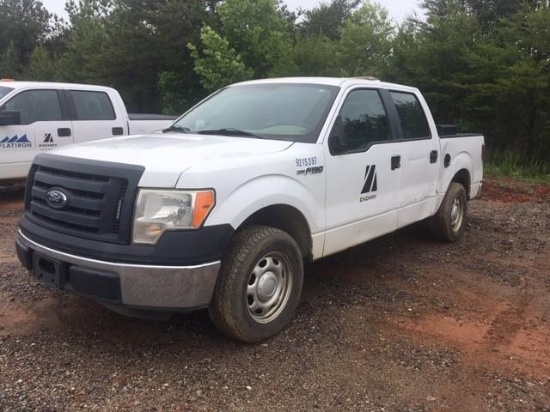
<point x="450" y="220"/>
<point x="259" y="284"/>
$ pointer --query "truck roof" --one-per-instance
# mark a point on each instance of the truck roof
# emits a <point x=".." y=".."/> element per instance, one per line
<point x="332" y="81"/>
<point x="16" y="84"/>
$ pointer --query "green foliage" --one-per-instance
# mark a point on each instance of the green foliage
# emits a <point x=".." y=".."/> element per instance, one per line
<point x="23" y="25"/>
<point x="366" y="42"/>
<point x="359" y="44"/>
<point x="316" y="56"/>
<point x="219" y="64"/>
<point x="509" y="96"/>
<point x="85" y="43"/>
<point x="327" y="20"/>
<point x="10" y="65"/>
<point x="42" y="66"/>
<point x="255" y="43"/>
<point x="513" y="164"/>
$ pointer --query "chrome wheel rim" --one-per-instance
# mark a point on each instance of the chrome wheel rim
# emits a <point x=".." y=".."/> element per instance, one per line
<point x="457" y="215"/>
<point x="269" y="286"/>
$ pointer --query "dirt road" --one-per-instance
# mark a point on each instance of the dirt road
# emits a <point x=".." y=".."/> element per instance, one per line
<point x="398" y="324"/>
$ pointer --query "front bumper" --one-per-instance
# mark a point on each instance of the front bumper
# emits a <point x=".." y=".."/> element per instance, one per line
<point x="140" y="286"/>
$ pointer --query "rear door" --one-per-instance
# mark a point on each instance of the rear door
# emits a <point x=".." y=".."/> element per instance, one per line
<point x="45" y="125"/>
<point x="94" y="115"/>
<point x="363" y="178"/>
<point x="420" y="159"/>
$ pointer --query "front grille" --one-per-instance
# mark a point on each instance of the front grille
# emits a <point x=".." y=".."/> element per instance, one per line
<point x="100" y="197"/>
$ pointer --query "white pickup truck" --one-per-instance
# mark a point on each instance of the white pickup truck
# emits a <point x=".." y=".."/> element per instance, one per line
<point x="223" y="209"/>
<point x="40" y="116"/>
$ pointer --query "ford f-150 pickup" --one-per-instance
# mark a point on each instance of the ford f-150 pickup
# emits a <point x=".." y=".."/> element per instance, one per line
<point x="223" y="210"/>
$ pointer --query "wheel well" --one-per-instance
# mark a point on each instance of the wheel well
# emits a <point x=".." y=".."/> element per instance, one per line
<point x="287" y="219"/>
<point x="463" y="177"/>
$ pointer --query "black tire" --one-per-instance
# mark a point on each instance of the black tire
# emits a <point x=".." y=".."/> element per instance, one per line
<point x="259" y="285"/>
<point x="449" y="222"/>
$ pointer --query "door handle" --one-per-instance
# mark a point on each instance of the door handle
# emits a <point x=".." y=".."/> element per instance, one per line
<point x="64" y="132"/>
<point x="395" y="162"/>
<point x="433" y="156"/>
<point x="118" y="131"/>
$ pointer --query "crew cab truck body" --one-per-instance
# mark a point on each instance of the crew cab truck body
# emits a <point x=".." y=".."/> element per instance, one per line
<point x="224" y="208"/>
<point x="39" y="116"/>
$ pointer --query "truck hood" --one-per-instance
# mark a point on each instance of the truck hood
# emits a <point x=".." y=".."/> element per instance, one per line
<point x="166" y="157"/>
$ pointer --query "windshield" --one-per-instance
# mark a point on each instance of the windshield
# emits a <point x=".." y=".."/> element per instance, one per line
<point x="282" y="111"/>
<point x="4" y="91"/>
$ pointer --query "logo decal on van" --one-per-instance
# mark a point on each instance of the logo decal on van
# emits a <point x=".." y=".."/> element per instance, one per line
<point x="15" y="142"/>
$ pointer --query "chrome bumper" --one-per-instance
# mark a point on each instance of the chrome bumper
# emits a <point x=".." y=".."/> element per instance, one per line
<point x="143" y="286"/>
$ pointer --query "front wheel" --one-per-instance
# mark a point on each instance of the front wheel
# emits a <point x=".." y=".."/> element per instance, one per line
<point x="259" y="284"/>
<point x="450" y="220"/>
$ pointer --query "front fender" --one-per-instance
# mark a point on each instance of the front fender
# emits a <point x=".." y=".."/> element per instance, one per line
<point x="260" y="192"/>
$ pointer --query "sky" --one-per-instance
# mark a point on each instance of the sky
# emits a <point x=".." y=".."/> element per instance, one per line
<point x="398" y="9"/>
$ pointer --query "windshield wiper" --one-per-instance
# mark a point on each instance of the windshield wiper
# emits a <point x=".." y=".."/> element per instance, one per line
<point x="176" y="128"/>
<point x="230" y="131"/>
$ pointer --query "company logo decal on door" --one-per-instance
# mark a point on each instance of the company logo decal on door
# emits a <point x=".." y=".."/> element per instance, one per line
<point x="48" y="142"/>
<point x="370" y="184"/>
<point x="15" y="142"/>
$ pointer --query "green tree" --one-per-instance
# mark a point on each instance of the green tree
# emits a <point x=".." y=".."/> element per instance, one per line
<point x="259" y="33"/>
<point x="23" y="25"/>
<point x="219" y="64"/>
<point x="179" y="23"/>
<point x="327" y="20"/>
<point x="10" y="65"/>
<point x="254" y="39"/>
<point x="366" y="42"/>
<point x="509" y="95"/>
<point x="86" y="42"/>
<point x="430" y="56"/>
<point x="316" y="56"/>
<point x="43" y="67"/>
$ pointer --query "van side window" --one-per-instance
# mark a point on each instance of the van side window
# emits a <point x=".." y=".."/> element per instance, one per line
<point x="92" y="105"/>
<point x="36" y="105"/>
<point x="361" y="121"/>
<point x="413" y="118"/>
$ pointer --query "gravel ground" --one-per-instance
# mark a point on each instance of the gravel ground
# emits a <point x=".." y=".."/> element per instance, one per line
<point x="398" y="324"/>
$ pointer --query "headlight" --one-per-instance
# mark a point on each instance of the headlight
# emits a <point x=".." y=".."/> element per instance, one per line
<point x="160" y="210"/>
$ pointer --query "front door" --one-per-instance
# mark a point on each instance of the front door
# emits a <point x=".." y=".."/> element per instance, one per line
<point x="44" y="126"/>
<point x="363" y="173"/>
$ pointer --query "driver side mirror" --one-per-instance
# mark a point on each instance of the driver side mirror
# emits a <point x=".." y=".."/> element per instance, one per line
<point x="10" y="117"/>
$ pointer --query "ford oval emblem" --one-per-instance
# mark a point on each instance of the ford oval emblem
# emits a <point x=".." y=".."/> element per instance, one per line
<point x="56" y="198"/>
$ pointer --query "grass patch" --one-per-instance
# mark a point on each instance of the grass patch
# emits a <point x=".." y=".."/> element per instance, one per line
<point x="513" y="164"/>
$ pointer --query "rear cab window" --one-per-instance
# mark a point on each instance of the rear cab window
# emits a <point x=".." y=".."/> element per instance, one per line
<point x="414" y="124"/>
<point x="92" y="105"/>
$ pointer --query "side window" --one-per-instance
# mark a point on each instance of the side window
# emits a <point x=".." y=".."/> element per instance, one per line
<point x="92" y="105"/>
<point x="361" y="121"/>
<point x="36" y="105"/>
<point x="413" y="119"/>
